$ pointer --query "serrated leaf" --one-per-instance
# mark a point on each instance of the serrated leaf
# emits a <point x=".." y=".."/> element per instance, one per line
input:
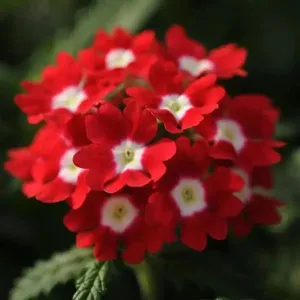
<point x="45" y="275"/>
<point x="91" y="285"/>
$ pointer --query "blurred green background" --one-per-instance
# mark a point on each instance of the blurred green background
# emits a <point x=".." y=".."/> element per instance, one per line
<point x="265" y="265"/>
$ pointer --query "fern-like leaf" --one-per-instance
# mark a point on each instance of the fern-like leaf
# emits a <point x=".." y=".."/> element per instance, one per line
<point x="91" y="285"/>
<point x="45" y="275"/>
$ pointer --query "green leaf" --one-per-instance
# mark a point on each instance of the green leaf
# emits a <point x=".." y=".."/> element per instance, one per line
<point x="91" y="285"/>
<point x="45" y="275"/>
<point x="104" y="14"/>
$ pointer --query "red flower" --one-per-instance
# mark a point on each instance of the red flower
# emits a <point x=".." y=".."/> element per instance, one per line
<point x="241" y="131"/>
<point x="25" y="162"/>
<point x="259" y="207"/>
<point x="201" y="205"/>
<point x="179" y="108"/>
<point x="65" y="180"/>
<point x="114" y="57"/>
<point x="225" y="61"/>
<point x="108" y="220"/>
<point x="62" y="92"/>
<point x="120" y="154"/>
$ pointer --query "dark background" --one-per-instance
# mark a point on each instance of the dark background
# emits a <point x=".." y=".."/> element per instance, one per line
<point x="31" y="33"/>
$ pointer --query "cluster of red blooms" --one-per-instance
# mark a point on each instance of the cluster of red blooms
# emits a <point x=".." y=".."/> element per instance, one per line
<point x="146" y="147"/>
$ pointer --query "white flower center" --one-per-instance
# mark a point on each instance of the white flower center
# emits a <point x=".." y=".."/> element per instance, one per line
<point x="128" y="156"/>
<point x="194" y="66"/>
<point x="189" y="196"/>
<point x="69" y="98"/>
<point x="245" y="194"/>
<point x="230" y="131"/>
<point x="68" y="171"/>
<point x="118" y="213"/>
<point x="177" y="104"/>
<point x="119" y="58"/>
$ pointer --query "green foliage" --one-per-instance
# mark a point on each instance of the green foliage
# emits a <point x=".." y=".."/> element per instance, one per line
<point x="45" y="275"/>
<point x="91" y="285"/>
<point x="104" y="14"/>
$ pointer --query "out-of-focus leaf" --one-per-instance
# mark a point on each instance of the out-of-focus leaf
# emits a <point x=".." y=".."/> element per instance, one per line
<point x="105" y="14"/>
<point x="45" y="275"/>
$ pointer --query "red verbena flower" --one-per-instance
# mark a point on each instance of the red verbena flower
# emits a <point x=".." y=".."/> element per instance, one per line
<point x="186" y="196"/>
<point x="177" y="106"/>
<point x="106" y="221"/>
<point x="241" y="131"/>
<point x="121" y="154"/>
<point x="25" y="163"/>
<point x="259" y="207"/>
<point x="192" y="58"/>
<point x="65" y="180"/>
<point x="63" y="91"/>
<point x="114" y="57"/>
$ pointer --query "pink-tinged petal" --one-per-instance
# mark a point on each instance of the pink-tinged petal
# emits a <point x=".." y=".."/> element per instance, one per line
<point x="86" y="239"/>
<point x="81" y="190"/>
<point x="140" y="123"/>
<point x="162" y="150"/>
<point x="191" y="118"/>
<point x="55" y="191"/>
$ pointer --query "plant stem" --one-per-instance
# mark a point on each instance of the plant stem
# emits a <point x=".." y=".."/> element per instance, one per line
<point x="146" y="279"/>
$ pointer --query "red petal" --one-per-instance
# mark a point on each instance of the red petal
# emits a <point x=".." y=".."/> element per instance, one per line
<point x="193" y="237"/>
<point x="86" y="239"/>
<point x="88" y="215"/>
<point x="55" y="191"/>
<point x="218" y="228"/>
<point x="162" y="150"/>
<point x="78" y="196"/>
<point x="141" y="124"/>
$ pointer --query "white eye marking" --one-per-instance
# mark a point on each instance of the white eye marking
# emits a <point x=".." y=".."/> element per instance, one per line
<point x="230" y="131"/>
<point x="128" y="156"/>
<point x="177" y="104"/>
<point x="119" y="58"/>
<point x="118" y="213"/>
<point x="70" y="98"/>
<point x="189" y="195"/>
<point x="68" y="171"/>
<point x="194" y="66"/>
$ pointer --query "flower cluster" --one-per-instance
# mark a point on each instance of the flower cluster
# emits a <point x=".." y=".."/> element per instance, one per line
<point x="146" y="147"/>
